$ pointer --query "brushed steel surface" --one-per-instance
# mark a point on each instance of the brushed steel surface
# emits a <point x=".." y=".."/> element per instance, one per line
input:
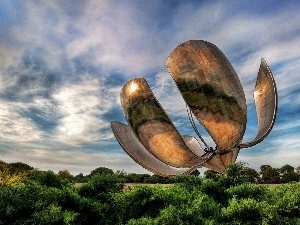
<point x="230" y="157"/>
<point x="211" y="89"/>
<point x="140" y="155"/>
<point x="213" y="93"/>
<point x="153" y="127"/>
<point x="265" y="98"/>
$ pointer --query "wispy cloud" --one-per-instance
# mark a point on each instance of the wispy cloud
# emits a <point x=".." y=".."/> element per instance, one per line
<point x="63" y="65"/>
<point x="80" y="106"/>
<point x="15" y="127"/>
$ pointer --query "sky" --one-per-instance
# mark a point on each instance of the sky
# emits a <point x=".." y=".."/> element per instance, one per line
<point x="63" y="64"/>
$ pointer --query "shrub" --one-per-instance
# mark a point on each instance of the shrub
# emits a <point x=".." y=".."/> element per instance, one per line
<point x="100" y="187"/>
<point x="10" y="179"/>
<point x="287" y="198"/>
<point x="187" y="181"/>
<point x="215" y="189"/>
<point x="247" y="190"/>
<point x="48" y="179"/>
<point x="243" y="211"/>
<point x="143" y="221"/>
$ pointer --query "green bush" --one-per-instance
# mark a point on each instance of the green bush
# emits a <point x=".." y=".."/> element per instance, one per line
<point x="143" y="221"/>
<point x="247" y="190"/>
<point x="100" y="187"/>
<point x="187" y="181"/>
<point x="215" y="189"/>
<point x="287" y="198"/>
<point x="201" y="210"/>
<point x="242" y="211"/>
<point x="44" y="198"/>
<point x="176" y="204"/>
<point x="31" y="203"/>
<point x="135" y="203"/>
<point x="48" y="178"/>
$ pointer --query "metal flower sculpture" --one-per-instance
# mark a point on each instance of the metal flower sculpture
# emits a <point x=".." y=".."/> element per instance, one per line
<point x="214" y="95"/>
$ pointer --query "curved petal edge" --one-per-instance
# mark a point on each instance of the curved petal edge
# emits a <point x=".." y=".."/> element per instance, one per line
<point x="140" y="155"/>
<point x="266" y="100"/>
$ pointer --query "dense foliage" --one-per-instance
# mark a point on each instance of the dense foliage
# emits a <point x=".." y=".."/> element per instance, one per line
<point x="36" y="197"/>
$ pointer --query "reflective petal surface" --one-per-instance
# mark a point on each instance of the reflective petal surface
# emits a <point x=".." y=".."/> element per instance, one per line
<point x="213" y="93"/>
<point x="140" y="155"/>
<point x="230" y="157"/>
<point x="265" y="97"/>
<point x="193" y="145"/>
<point x="153" y="127"/>
<point x="216" y="164"/>
<point x="211" y="89"/>
<point x="196" y="148"/>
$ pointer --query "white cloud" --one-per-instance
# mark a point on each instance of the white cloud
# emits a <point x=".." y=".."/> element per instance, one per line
<point x="80" y="106"/>
<point x="15" y="127"/>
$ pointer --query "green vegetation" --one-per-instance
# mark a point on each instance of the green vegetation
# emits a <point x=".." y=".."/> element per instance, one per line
<point x="29" y="196"/>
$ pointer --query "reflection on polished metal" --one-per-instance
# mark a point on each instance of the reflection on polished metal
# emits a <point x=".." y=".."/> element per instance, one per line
<point x="153" y="127"/>
<point x="265" y="97"/>
<point x="138" y="152"/>
<point x="211" y="89"/>
<point x="213" y="94"/>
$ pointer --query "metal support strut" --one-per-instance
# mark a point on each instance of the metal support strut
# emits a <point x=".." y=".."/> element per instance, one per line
<point x="194" y="126"/>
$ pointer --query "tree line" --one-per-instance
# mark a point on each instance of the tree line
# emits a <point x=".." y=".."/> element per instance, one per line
<point x="266" y="175"/>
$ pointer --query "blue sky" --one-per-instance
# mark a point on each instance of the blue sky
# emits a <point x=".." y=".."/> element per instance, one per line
<point x="63" y="64"/>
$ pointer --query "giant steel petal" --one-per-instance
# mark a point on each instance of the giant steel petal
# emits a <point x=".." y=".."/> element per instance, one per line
<point x="140" y="155"/>
<point x="196" y="148"/>
<point x="216" y="164"/>
<point x="265" y="97"/>
<point x="212" y="90"/>
<point x="235" y="153"/>
<point x="152" y="126"/>
<point x="230" y="157"/>
<point x="194" y="145"/>
<point x="210" y="160"/>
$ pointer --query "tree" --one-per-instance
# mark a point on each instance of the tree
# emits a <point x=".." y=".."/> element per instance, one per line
<point x="49" y="179"/>
<point x="20" y="166"/>
<point x="286" y="169"/>
<point x="235" y="174"/>
<point x="298" y="170"/>
<point x="65" y="174"/>
<point x="156" y="179"/>
<point x="101" y="170"/>
<point x="9" y="179"/>
<point x="251" y="174"/>
<point x="210" y="174"/>
<point x="80" y="178"/>
<point x="137" y="178"/>
<point x="2" y="164"/>
<point x="288" y="174"/>
<point x="269" y="175"/>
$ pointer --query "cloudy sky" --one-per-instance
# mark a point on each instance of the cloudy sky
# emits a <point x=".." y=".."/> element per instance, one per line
<point x="63" y="63"/>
